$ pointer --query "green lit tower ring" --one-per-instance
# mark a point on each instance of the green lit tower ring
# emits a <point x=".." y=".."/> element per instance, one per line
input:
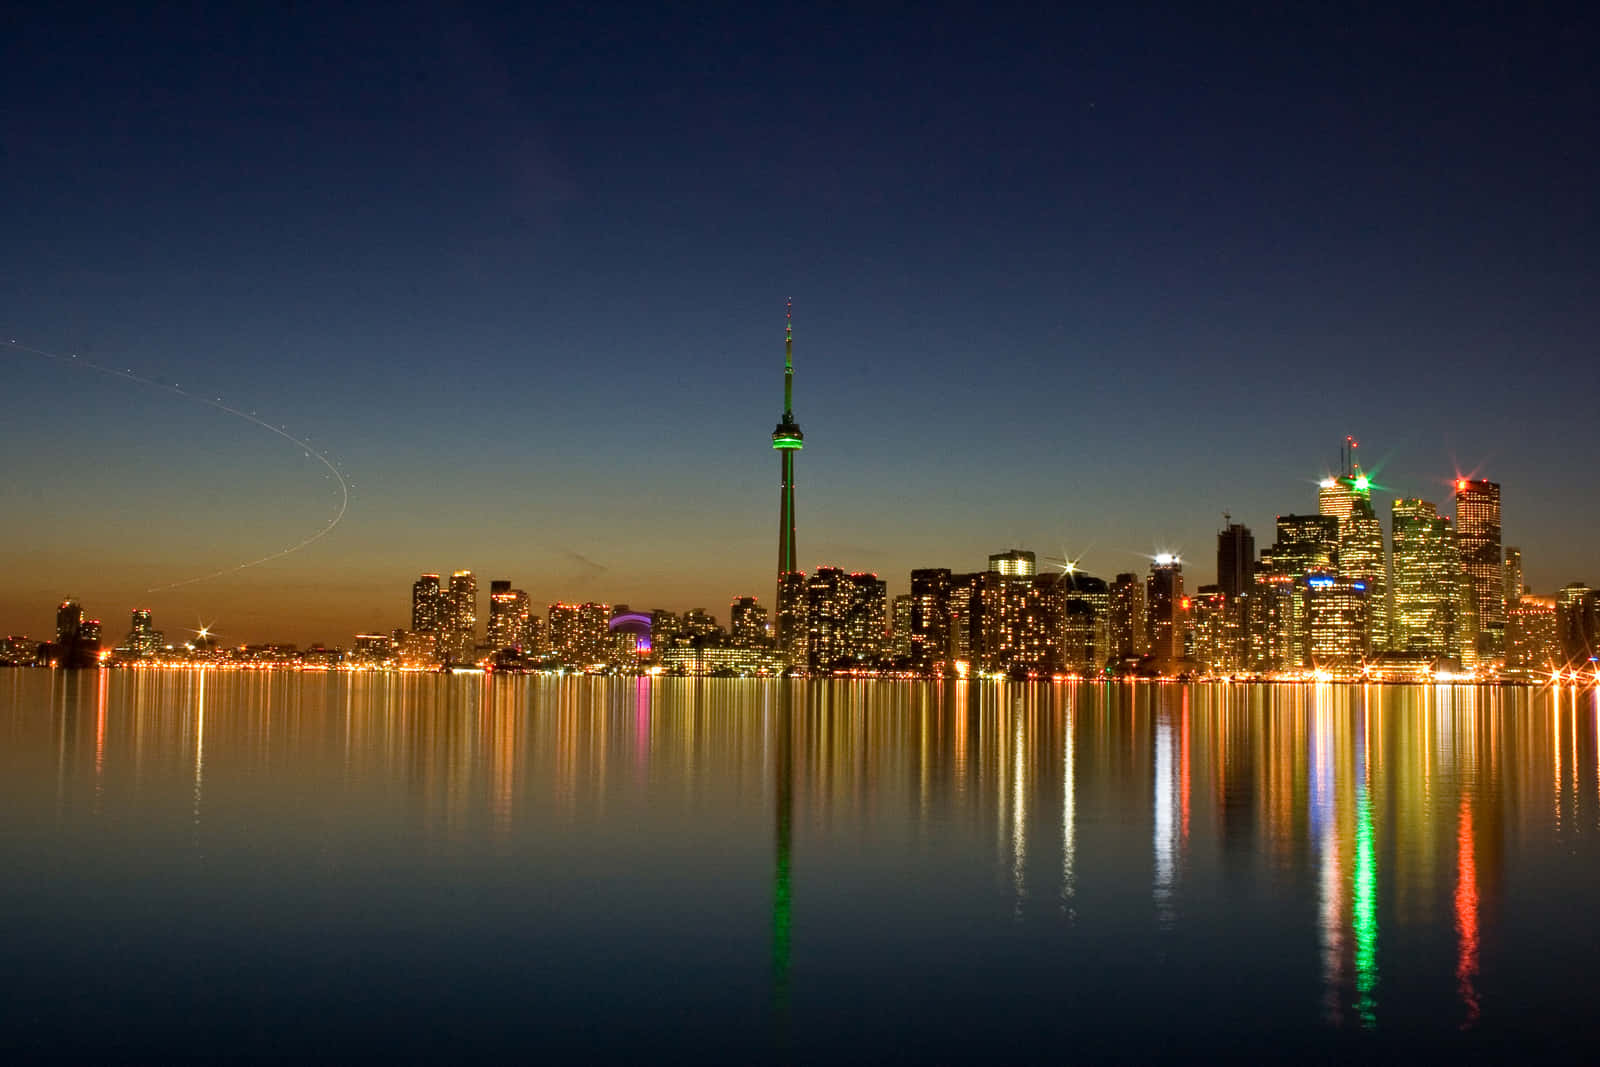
<point x="788" y="440"/>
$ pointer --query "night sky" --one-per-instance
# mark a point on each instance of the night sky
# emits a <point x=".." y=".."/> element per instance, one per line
<point x="1070" y="280"/>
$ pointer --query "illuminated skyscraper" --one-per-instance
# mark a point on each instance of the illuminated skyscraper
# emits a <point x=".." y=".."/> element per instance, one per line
<point x="427" y="605"/>
<point x="1578" y="620"/>
<point x="461" y="618"/>
<point x="1164" y="610"/>
<point x="1306" y="544"/>
<point x="1348" y="498"/>
<point x="1336" y="618"/>
<point x="1129" y="635"/>
<point x="900" y="627"/>
<point x="143" y="639"/>
<point x="1533" y="636"/>
<point x="1514" y="586"/>
<point x="1014" y="563"/>
<point x="747" y="623"/>
<point x="788" y="440"/>
<point x="1085" y="621"/>
<point x="930" y="617"/>
<point x="510" y="614"/>
<point x="1426" y="583"/>
<point x="827" y="608"/>
<point x="1478" y="541"/>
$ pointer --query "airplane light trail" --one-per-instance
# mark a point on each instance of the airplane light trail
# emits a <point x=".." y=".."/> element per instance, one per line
<point x="129" y="375"/>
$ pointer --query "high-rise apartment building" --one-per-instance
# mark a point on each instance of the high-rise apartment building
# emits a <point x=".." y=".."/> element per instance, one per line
<point x="510" y="616"/>
<point x="1477" y="529"/>
<point x="1578" y="623"/>
<point x="900" y="627"/>
<point x="427" y="605"/>
<point x="1426" y="580"/>
<point x="461" y="618"/>
<point x="1085" y="621"/>
<point x="747" y="623"/>
<point x="930" y="618"/>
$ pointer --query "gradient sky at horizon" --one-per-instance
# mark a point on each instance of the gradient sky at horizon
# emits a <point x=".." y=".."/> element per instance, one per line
<point x="1072" y="280"/>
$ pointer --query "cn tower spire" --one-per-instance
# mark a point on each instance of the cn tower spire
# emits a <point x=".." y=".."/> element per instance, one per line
<point x="788" y="440"/>
<point x="788" y="360"/>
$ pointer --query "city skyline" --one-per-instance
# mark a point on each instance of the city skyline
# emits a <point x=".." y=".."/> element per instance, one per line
<point x="1049" y="295"/>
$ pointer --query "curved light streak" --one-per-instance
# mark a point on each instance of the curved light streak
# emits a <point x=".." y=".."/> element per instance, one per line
<point x="128" y="375"/>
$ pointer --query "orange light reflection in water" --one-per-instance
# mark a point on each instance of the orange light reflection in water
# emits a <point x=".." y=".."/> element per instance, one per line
<point x="1466" y="916"/>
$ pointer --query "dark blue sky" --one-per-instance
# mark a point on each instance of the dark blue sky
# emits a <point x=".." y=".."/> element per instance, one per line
<point x="1079" y="279"/>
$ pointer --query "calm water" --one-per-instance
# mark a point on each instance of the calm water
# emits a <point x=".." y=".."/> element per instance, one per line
<point x="270" y="866"/>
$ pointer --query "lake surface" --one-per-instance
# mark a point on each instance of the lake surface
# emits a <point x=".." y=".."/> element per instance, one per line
<point x="257" y="866"/>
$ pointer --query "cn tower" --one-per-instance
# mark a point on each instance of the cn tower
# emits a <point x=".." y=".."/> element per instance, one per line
<point x="787" y="439"/>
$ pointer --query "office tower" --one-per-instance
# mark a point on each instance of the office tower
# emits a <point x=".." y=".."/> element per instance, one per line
<point x="1163" y="610"/>
<point x="1478" y="542"/>
<point x="1336" y="620"/>
<point x="427" y="605"/>
<point x="966" y="619"/>
<point x="900" y="627"/>
<point x="89" y="632"/>
<point x="1306" y="544"/>
<point x="1085" y="621"/>
<point x="1533" y="635"/>
<point x="1236" y="560"/>
<point x="930" y="618"/>
<point x="788" y="440"/>
<point x="1513" y="571"/>
<point x="1014" y="563"/>
<point x="460" y="623"/>
<point x="1426" y="580"/>
<point x="747" y="623"/>
<point x="1129" y="635"/>
<point x="1271" y="619"/>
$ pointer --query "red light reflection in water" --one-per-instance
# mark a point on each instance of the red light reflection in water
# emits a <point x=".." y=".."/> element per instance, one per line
<point x="1183" y="767"/>
<point x="1466" y="916"/>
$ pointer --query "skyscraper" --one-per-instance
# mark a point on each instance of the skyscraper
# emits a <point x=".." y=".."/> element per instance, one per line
<point x="1164" y="608"/>
<point x="930" y="617"/>
<point x="461" y="618"/>
<point x="1514" y="587"/>
<point x="747" y="623"/>
<point x="1129" y="636"/>
<point x="1478" y="541"/>
<point x="1348" y="498"/>
<point x="1236" y="560"/>
<point x="427" y="605"/>
<point x="1426" y="582"/>
<point x="787" y="439"/>
<point x="1014" y="563"/>
<point x="509" y="616"/>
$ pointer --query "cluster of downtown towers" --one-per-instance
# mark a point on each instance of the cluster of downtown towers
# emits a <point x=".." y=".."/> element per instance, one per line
<point x="1327" y="595"/>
